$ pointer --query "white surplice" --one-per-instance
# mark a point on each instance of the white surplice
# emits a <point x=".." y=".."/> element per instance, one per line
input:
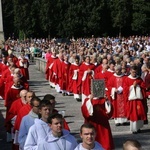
<point x="65" y="142"/>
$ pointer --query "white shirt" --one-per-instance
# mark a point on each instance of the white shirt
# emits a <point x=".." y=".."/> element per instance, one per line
<point x="65" y="142"/>
<point x="96" y="147"/>
<point x="26" y="122"/>
<point x="36" y="134"/>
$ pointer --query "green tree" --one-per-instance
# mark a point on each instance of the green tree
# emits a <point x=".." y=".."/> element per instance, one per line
<point x="120" y="13"/>
<point x="47" y="9"/>
<point x="26" y="17"/>
<point x="78" y="18"/>
<point x="141" y="16"/>
<point x="73" y="18"/>
<point x="8" y="18"/>
<point x="95" y="11"/>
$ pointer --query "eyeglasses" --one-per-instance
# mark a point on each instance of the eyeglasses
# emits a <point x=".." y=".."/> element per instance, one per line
<point x="37" y="106"/>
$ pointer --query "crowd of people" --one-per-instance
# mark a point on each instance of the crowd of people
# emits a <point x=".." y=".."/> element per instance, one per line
<point x="124" y="66"/>
<point x="122" y="63"/>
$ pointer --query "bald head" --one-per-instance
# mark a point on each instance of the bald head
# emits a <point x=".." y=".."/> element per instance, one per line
<point x="132" y="145"/>
<point x="23" y="94"/>
<point x="29" y="96"/>
<point x="118" y="67"/>
<point x="17" y="81"/>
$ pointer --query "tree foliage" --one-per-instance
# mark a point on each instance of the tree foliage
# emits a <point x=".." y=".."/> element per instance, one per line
<point x="141" y="16"/>
<point x="78" y="18"/>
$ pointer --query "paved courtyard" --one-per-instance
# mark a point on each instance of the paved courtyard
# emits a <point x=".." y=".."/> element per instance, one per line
<point x="72" y="115"/>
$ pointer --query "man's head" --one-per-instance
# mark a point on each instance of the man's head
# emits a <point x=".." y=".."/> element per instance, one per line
<point x="17" y="81"/>
<point x="12" y="69"/>
<point x="87" y="59"/>
<point x="51" y="99"/>
<point x="61" y="56"/>
<point x="104" y="67"/>
<point x="45" y="109"/>
<point x="66" y="58"/>
<point x="4" y="59"/>
<point x="35" y="103"/>
<point x="144" y="68"/>
<point x="53" y="50"/>
<point x="132" y="145"/>
<point x="87" y="134"/>
<point x="22" y="54"/>
<point x="77" y="60"/>
<point x="29" y="96"/>
<point x="118" y="69"/>
<point x="17" y="71"/>
<point x="133" y="71"/>
<point x="56" y="123"/>
<point x="112" y="66"/>
<point x="23" y="94"/>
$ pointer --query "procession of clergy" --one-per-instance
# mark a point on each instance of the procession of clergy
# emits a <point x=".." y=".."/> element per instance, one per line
<point x="123" y="65"/>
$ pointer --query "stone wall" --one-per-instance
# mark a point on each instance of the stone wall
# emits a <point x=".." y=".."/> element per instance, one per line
<point x="40" y="64"/>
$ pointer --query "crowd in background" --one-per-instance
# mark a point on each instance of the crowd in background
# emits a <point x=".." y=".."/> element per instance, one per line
<point x="122" y="63"/>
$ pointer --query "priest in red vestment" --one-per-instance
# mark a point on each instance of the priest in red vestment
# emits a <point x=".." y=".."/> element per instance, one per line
<point x="98" y="111"/>
<point x="110" y="71"/>
<point x="86" y="73"/>
<point x="99" y="67"/>
<point x="49" y="66"/>
<point x="13" y="93"/>
<point x="14" y="109"/>
<point x="145" y="75"/>
<point x="23" y="64"/>
<point x="74" y="79"/>
<point x="135" y="97"/>
<point x="65" y="77"/>
<point x="146" y="80"/>
<point x="24" y="110"/>
<point x="24" y="81"/>
<point x="7" y="72"/>
<point x="3" y="64"/>
<point x="115" y="90"/>
<point x="11" y="117"/>
<point x="57" y="72"/>
<point x="12" y="56"/>
<point x="3" y="67"/>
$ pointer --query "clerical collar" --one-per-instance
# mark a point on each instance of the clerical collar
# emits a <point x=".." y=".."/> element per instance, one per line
<point x="16" y="87"/>
<point x="86" y="63"/>
<point x="75" y="64"/>
<point x="133" y="77"/>
<point x="118" y="75"/>
<point x="110" y="70"/>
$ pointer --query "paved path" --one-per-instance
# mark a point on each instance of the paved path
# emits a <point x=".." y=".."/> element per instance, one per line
<point x="72" y="115"/>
